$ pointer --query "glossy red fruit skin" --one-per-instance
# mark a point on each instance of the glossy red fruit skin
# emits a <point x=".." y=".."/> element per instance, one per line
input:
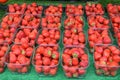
<point x="108" y="62"/>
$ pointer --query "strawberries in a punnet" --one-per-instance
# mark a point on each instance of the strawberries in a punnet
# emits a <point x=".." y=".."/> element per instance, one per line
<point x="116" y="23"/>
<point x="34" y="9"/>
<point x="74" y="37"/>
<point x="48" y="37"/>
<point x="113" y="9"/>
<point x="117" y="35"/>
<point x="26" y="35"/>
<point x="107" y="59"/>
<point x="74" y="10"/>
<point x="99" y="37"/>
<point x="7" y="35"/>
<point x="3" y="50"/>
<point x="54" y="10"/>
<point x="17" y="8"/>
<point x="46" y="59"/>
<point x="94" y="9"/>
<point x="74" y="22"/>
<point x="30" y="21"/>
<point x="11" y="20"/>
<point x="51" y="22"/>
<point x="75" y="61"/>
<point x="19" y="57"/>
<point x="98" y="22"/>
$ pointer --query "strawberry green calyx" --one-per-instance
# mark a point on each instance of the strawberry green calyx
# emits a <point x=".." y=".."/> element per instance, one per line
<point x="75" y="55"/>
<point x="81" y="18"/>
<point x="98" y="72"/>
<point x="31" y="18"/>
<point x="106" y="73"/>
<point x="111" y="60"/>
<point x="93" y="24"/>
<point x="75" y="75"/>
<point x="89" y="3"/>
<point x="49" y="52"/>
<point x="75" y="30"/>
<point x="53" y="56"/>
<point x="23" y="52"/>
<point x="59" y="26"/>
<point x="91" y="50"/>
<point x="10" y="18"/>
<point x="70" y="62"/>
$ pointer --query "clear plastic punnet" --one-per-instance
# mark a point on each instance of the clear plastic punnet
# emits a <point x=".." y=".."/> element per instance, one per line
<point x="74" y="22"/>
<point x="25" y="35"/>
<point x="17" y="8"/>
<point x="74" y="37"/>
<point x="75" y="61"/>
<point x="76" y="10"/>
<point x="30" y="20"/>
<point x="18" y="58"/>
<point x="99" y="36"/>
<point x="3" y="51"/>
<point x="106" y="60"/>
<point x="46" y="60"/>
<point x="48" y="37"/>
<point x="11" y="20"/>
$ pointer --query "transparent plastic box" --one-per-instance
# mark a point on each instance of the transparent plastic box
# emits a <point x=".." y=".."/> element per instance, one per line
<point x="51" y="22"/>
<point x="115" y="23"/>
<point x="38" y="9"/>
<point x="3" y="48"/>
<point x="99" y="30"/>
<point x="76" y="10"/>
<point x="42" y="40"/>
<point x="18" y="67"/>
<point x="49" y="12"/>
<point x="75" y="71"/>
<point x="74" y="22"/>
<point x="105" y="68"/>
<point x="80" y="42"/>
<point x="97" y="25"/>
<point x="30" y="20"/>
<point x="10" y="36"/>
<point x="46" y="70"/>
<point x="16" y="9"/>
<point x="112" y="12"/>
<point x="11" y="20"/>
<point x="27" y="37"/>
<point x="92" y="12"/>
